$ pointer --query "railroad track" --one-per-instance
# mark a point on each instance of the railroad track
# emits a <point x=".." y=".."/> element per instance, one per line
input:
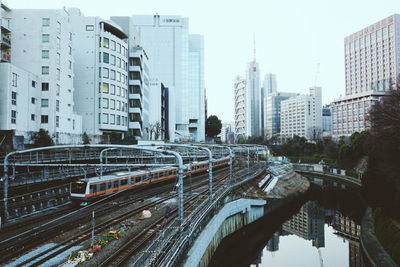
<point x="124" y="253"/>
<point x="14" y="247"/>
<point x="86" y="234"/>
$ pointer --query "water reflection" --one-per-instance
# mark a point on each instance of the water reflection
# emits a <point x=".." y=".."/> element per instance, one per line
<point x="313" y="225"/>
<point x="314" y="236"/>
<point x="324" y="232"/>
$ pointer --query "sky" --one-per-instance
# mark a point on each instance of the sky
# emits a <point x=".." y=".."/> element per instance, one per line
<point x="292" y="38"/>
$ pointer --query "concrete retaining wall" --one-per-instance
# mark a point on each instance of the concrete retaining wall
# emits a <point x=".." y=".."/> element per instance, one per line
<point x="233" y="216"/>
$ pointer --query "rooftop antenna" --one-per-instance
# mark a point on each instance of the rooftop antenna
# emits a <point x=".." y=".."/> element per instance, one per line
<point x="316" y="75"/>
<point x="254" y="47"/>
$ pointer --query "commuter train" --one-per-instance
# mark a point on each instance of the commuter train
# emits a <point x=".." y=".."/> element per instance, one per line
<point x="86" y="190"/>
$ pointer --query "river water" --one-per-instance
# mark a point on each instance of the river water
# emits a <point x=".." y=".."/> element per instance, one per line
<point x="307" y="235"/>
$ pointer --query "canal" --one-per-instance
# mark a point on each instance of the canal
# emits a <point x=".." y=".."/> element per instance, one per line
<point x="321" y="230"/>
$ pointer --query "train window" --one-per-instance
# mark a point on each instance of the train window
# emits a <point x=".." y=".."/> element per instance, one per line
<point x="109" y="185"/>
<point x="137" y="179"/>
<point x="124" y="182"/>
<point x="78" y="187"/>
<point x="116" y="184"/>
<point x="92" y="188"/>
<point x="102" y="186"/>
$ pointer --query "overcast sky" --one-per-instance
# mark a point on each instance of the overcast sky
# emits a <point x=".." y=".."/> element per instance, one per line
<point x="292" y="37"/>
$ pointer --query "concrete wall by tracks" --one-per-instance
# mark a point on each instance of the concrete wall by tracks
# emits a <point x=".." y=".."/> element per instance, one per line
<point x="233" y="217"/>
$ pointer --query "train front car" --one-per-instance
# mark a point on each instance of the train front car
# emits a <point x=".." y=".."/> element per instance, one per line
<point x="78" y="191"/>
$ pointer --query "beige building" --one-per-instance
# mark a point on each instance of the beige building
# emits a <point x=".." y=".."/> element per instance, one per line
<point x="372" y="65"/>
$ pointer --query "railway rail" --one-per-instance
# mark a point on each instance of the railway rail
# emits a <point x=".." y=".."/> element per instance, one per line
<point x="13" y="247"/>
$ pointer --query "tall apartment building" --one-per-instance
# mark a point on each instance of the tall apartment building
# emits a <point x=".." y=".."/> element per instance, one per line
<point x="194" y="107"/>
<point x="138" y="80"/>
<point x="240" y="108"/>
<point x="372" y="68"/>
<point x="302" y="115"/>
<point x="176" y="59"/>
<point x="326" y="121"/>
<point x="101" y="74"/>
<point x="253" y="100"/>
<point x="42" y="45"/>
<point x="269" y="84"/>
<point x="272" y="112"/>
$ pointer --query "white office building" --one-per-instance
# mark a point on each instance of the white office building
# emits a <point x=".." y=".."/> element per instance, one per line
<point x="272" y="112"/>
<point x="253" y="100"/>
<point x="240" y="108"/>
<point x="42" y="44"/>
<point x="302" y="115"/>
<point x="372" y="68"/>
<point x="176" y="59"/>
<point x="20" y="96"/>
<point x="101" y="75"/>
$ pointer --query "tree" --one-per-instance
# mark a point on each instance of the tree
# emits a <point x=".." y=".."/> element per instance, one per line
<point x="213" y="126"/>
<point x="382" y="181"/>
<point x="85" y="139"/>
<point x="42" y="138"/>
<point x="314" y="133"/>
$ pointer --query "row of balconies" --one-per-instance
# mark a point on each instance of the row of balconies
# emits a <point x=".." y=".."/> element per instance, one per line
<point x="5" y="56"/>
<point x="5" y="41"/>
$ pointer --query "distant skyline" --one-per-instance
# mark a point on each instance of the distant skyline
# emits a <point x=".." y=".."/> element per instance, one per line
<point x="292" y="37"/>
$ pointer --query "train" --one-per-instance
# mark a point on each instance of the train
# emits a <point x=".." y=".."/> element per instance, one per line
<point x="86" y="190"/>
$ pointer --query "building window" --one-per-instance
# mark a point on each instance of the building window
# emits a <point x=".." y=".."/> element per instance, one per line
<point x="58" y="43"/>
<point x="105" y="73"/>
<point x="45" y="86"/>
<point x="13" y="116"/>
<point x="112" y="104"/>
<point x="45" y="70"/>
<point x="57" y="121"/>
<point x="70" y="50"/>
<point x="112" y="45"/>
<point x="44" y="119"/>
<point x="14" y="98"/>
<point x="112" y="60"/>
<point x="45" y="38"/>
<point x="119" y="48"/>
<point x="70" y="36"/>
<point x="14" y="80"/>
<point x="89" y="28"/>
<point x="58" y="27"/>
<point x="58" y="58"/>
<point x="45" y="103"/>
<point x="105" y="102"/>
<point x="45" y="54"/>
<point x="106" y="58"/>
<point x="112" y="77"/>
<point x="58" y="74"/>
<point x="105" y="118"/>
<point x="57" y="105"/>
<point x="105" y="88"/>
<point x="112" y="89"/>
<point x="106" y="42"/>
<point x="33" y="117"/>
<point x="118" y="120"/>
<point x="45" y="22"/>
<point x="34" y="84"/>
<point x="112" y="119"/>
<point x="33" y="100"/>
<point x="119" y="62"/>
<point x="58" y="89"/>
<point x="70" y="65"/>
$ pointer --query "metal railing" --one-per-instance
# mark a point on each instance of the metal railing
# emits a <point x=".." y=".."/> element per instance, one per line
<point x="171" y="242"/>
